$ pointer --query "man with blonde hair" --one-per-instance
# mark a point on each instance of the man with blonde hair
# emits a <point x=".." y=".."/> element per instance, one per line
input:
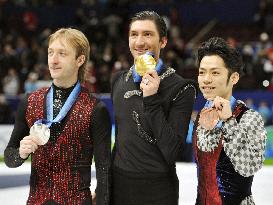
<point x="61" y="127"/>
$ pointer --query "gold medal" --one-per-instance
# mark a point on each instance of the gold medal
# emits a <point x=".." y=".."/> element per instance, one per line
<point x="144" y="63"/>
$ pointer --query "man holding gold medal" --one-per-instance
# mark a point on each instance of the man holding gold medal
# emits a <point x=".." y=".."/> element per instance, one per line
<point x="229" y="138"/>
<point x="152" y="106"/>
<point x="61" y="127"/>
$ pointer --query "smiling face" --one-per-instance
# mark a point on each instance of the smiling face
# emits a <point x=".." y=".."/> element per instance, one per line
<point x="143" y="37"/>
<point x="63" y="64"/>
<point x="213" y="78"/>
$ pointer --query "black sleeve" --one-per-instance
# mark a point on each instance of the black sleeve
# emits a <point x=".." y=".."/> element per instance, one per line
<point x="101" y="132"/>
<point x="170" y="133"/>
<point x="20" y="130"/>
<point x="113" y="80"/>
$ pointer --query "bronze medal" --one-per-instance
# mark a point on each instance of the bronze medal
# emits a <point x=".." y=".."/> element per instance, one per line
<point x="208" y="118"/>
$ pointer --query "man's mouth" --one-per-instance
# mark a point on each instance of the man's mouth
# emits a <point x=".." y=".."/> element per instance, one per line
<point x="54" y="68"/>
<point x="141" y="51"/>
<point x="207" y="88"/>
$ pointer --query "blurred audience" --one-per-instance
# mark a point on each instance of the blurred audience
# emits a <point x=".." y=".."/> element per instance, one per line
<point x="11" y="83"/>
<point x="31" y="82"/>
<point x="23" y="46"/>
<point x="265" y="112"/>
<point x="250" y="103"/>
<point x="5" y="111"/>
<point x="91" y="79"/>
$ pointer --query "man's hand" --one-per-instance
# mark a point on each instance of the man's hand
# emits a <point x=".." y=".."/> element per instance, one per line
<point x="222" y="107"/>
<point x="27" y="145"/>
<point x="208" y="118"/>
<point x="150" y="83"/>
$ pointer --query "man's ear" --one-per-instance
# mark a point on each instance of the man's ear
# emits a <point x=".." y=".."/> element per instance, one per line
<point x="234" y="78"/>
<point x="80" y="60"/>
<point x="163" y="42"/>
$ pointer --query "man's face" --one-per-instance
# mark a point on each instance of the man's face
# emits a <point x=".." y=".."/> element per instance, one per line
<point x="213" y="78"/>
<point x="62" y="61"/>
<point x="143" y="37"/>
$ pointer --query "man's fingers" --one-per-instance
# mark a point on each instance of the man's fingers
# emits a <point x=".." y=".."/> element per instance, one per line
<point x="24" y="151"/>
<point x="34" y="146"/>
<point x="152" y="73"/>
<point x="142" y="85"/>
<point x="29" y="137"/>
<point x="35" y="140"/>
<point x="218" y="103"/>
<point x="28" y="144"/>
<point x="148" y="77"/>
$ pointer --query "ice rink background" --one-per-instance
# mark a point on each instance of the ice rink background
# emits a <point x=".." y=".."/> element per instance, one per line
<point x="14" y="184"/>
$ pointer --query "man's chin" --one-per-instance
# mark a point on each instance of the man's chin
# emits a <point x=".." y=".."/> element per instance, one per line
<point x="136" y="56"/>
<point x="139" y="54"/>
<point x="209" y="97"/>
<point x="55" y="77"/>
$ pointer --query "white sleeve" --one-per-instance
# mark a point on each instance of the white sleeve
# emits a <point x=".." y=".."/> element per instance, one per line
<point x="244" y="142"/>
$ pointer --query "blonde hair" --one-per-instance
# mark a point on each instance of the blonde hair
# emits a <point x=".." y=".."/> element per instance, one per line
<point x="78" y="41"/>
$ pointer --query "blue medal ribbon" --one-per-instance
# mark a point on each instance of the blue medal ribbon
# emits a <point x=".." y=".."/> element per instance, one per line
<point x="65" y="109"/>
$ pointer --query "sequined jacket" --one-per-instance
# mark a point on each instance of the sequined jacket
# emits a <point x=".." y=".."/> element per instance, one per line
<point x="151" y="131"/>
<point x="61" y="169"/>
<point x="228" y="157"/>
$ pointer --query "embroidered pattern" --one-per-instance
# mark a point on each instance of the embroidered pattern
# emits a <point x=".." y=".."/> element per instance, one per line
<point x="185" y="88"/>
<point x="141" y="131"/>
<point x="207" y="140"/>
<point x="167" y="73"/>
<point x="58" y="102"/>
<point x="130" y="72"/>
<point x="244" y="143"/>
<point x="131" y="93"/>
<point x="248" y="201"/>
<point x="74" y="145"/>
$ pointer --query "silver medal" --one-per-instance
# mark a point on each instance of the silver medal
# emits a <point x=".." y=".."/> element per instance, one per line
<point x="41" y="132"/>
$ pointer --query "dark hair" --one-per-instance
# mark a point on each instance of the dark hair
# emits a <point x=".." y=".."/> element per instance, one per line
<point x="153" y="16"/>
<point x="218" y="46"/>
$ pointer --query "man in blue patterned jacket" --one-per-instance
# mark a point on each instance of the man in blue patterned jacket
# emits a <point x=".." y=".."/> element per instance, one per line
<point x="229" y="138"/>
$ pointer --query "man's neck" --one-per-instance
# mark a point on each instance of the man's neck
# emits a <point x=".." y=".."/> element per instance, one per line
<point x="64" y="84"/>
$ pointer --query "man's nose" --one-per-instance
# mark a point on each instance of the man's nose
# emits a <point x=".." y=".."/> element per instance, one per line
<point x="140" y="40"/>
<point x="207" y="78"/>
<point x="54" y="58"/>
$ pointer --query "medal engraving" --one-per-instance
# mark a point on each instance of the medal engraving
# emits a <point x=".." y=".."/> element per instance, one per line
<point x="144" y="63"/>
<point x="41" y="132"/>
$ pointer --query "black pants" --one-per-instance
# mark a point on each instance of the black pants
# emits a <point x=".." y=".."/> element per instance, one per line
<point x="141" y="189"/>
